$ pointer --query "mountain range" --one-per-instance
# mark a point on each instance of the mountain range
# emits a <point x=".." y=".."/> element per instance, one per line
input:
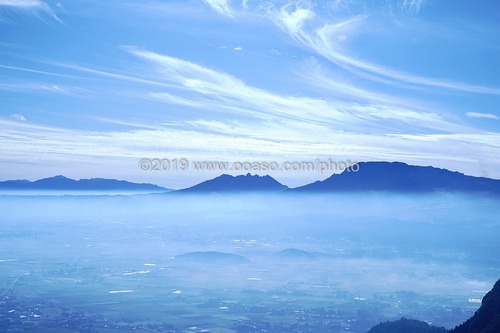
<point x="366" y="176"/>
<point x="401" y="177"/>
<point x="61" y="183"/>
<point x="369" y="176"/>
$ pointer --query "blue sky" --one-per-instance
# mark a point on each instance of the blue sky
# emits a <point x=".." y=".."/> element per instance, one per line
<point x="88" y="88"/>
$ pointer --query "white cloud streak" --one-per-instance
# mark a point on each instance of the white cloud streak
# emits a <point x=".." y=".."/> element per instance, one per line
<point x="325" y="38"/>
<point x="176" y="99"/>
<point x="31" y="6"/>
<point x="413" y="5"/>
<point x="23" y="3"/>
<point x="27" y="143"/>
<point x="35" y="71"/>
<point x="219" y="92"/>
<point x="44" y="87"/>
<point x="223" y="7"/>
<point x="303" y="25"/>
<point x="314" y="73"/>
<point x="482" y="115"/>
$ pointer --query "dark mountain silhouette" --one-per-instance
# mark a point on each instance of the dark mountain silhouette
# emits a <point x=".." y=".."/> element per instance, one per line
<point x="61" y="183"/>
<point x="485" y="320"/>
<point x="241" y="183"/>
<point x="365" y="176"/>
<point x="404" y="325"/>
<point x="487" y="317"/>
<point x="400" y="177"/>
<point x="212" y="257"/>
<point x="298" y="254"/>
<point x="14" y="183"/>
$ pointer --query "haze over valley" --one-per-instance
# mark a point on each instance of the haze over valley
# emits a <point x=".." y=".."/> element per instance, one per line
<point x="223" y="262"/>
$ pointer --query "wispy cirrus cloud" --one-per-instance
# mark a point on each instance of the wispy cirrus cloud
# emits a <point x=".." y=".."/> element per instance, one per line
<point x="23" y="3"/>
<point x="237" y="121"/>
<point x="35" y="71"/>
<point x="316" y="74"/>
<point x="221" y="92"/>
<point x="482" y="115"/>
<point x="223" y="7"/>
<point x="324" y="37"/>
<point x="23" y="142"/>
<point x="24" y="138"/>
<point x="176" y="99"/>
<point x="37" y="8"/>
<point x="44" y="87"/>
<point x="413" y="5"/>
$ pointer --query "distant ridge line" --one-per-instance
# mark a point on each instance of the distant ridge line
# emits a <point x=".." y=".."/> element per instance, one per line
<point x="370" y="176"/>
<point x="401" y="177"/>
<point x="395" y="177"/>
<point x="61" y="183"/>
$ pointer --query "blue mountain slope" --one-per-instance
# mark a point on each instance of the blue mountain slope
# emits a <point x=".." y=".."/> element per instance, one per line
<point x="400" y="177"/>
<point x="61" y="183"/>
<point x="485" y="320"/>
<point x="487" y="317"/>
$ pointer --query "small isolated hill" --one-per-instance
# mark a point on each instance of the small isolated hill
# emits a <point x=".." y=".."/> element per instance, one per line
<point x="404" y="325"/>
<point x="297" y="254"/>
